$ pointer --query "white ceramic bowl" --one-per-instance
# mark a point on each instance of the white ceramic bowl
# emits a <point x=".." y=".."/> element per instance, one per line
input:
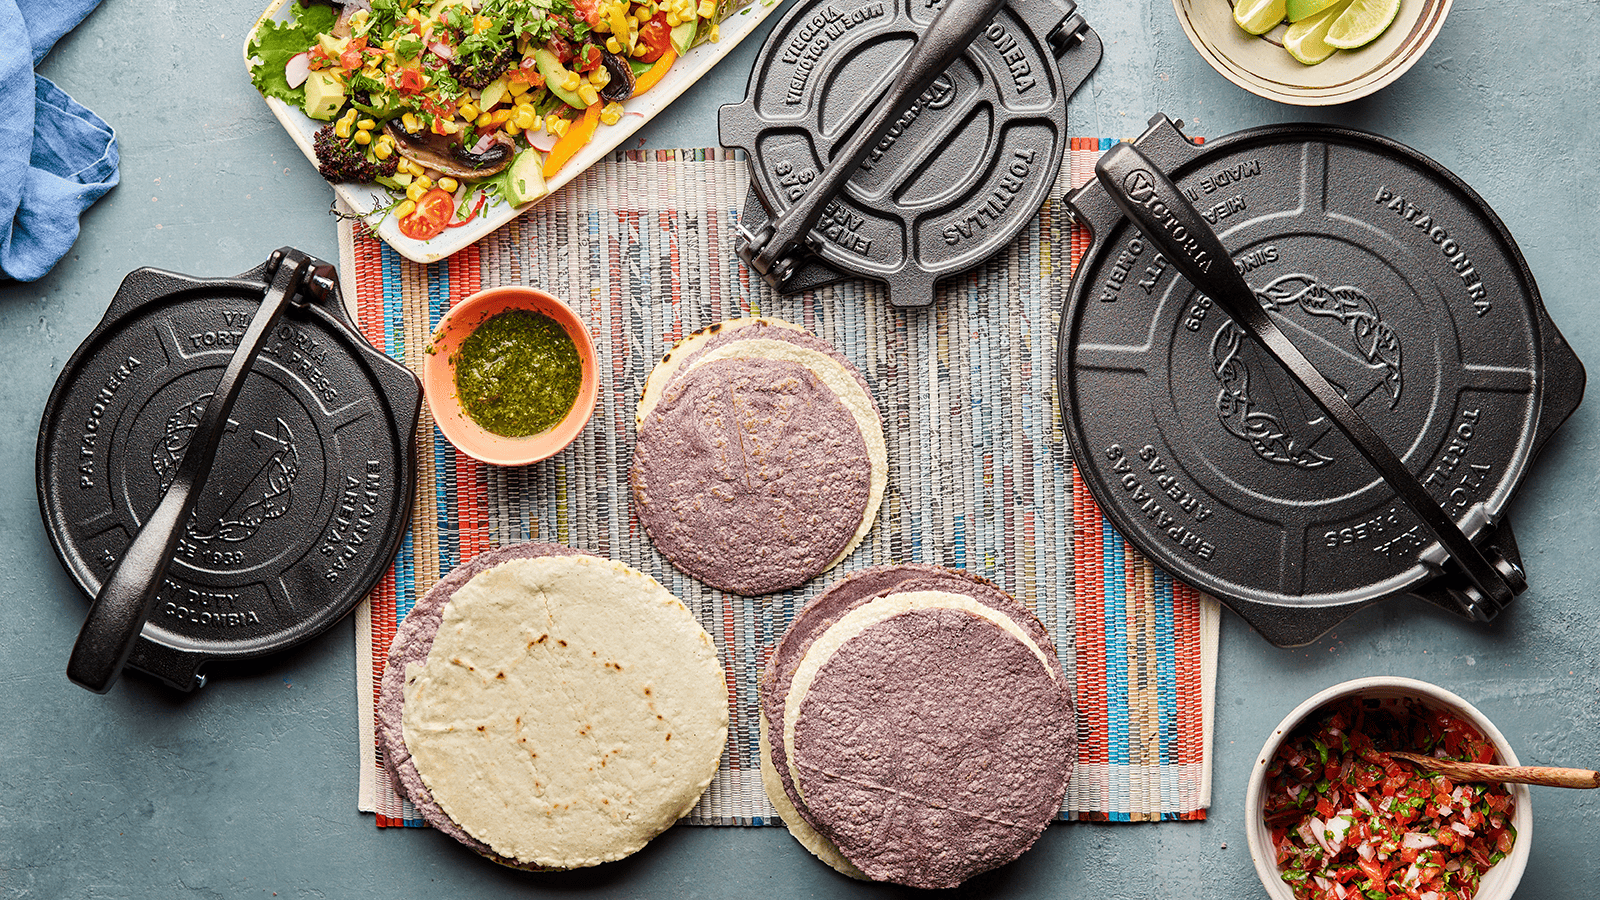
<point x="1261" y="66"/>
<point x="1499" y="883"/>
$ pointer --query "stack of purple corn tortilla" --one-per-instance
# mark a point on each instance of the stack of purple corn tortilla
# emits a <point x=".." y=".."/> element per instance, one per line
<point x="760" y="460"/>
<point x="917" y="726"/>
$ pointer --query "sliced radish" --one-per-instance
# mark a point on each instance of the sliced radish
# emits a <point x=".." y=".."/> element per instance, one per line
<point x="298" y="69"/>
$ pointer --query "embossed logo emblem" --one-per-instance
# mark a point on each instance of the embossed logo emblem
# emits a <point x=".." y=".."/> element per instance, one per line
<point x="263" y="496"/>
<point x="1139" y="185"/>
<point x="1344" y="336"/>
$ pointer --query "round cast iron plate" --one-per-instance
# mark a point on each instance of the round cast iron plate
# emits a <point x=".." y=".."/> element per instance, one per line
<point x="959" y="174"/>
<point x="312" y="486"/>
<point x="1396" y="281"/>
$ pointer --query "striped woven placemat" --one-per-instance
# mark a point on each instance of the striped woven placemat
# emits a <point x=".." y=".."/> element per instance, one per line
<point x="642" y="246"/>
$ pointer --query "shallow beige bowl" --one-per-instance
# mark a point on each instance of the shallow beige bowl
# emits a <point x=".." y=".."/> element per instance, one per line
<point x="439" y="385"/>
<point x="1261" y="66"/>
<point x="1499" y="883"/>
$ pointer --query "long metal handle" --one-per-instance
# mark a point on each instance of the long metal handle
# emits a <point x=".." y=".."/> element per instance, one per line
<point x="1148" y="198"/>
<point x="123" y="604"/>
<point x="947" y="37"/>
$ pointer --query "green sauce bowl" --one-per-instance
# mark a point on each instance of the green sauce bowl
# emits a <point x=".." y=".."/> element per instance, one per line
<point x="439" y="381"/>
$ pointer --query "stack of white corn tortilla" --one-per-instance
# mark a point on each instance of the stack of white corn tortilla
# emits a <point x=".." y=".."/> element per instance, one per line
<point x="760" y="460"/>
<point x="917" y="726"/>
<point x="551" y="709"/>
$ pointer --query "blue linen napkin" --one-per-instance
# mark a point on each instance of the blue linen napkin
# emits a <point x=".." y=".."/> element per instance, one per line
<point x="56" y="157"/>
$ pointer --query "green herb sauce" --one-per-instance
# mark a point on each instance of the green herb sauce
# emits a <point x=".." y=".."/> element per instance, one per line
<point x="518" y="373"/>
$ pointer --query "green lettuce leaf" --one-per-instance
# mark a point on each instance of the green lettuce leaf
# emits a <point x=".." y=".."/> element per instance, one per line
<point x="275" y="42"/>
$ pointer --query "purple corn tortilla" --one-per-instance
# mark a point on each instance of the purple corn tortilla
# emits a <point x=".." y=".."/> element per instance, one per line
<point x="932" y="747"/>
<point x="858" y="589"/>
<point x="751" y="475"/>
<point x="772" y="332"/>
<point x="412" y="641"/>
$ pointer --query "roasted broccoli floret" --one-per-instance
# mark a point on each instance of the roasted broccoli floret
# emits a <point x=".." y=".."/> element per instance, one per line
<point x="341" y="159"/>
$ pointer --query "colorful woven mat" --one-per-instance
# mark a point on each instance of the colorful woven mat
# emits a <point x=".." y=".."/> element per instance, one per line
<point x="642" y="246"/>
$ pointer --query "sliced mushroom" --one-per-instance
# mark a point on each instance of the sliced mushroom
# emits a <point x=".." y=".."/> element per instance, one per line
<point x="620" y="87"/>
<point x="348" y="8"/>
<point x="446" y="153"/>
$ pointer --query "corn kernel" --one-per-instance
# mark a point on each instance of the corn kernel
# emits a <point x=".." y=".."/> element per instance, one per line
<point x="525" y="118"/>
<point x="485" y="120"/>
<point x="447" y="183"/>
<point x="415" y="190"/>
<point x="611" y="113"/>
<point x="341" y="128"/>
<point x="673" y="21"/>
<point x="512" y="129"/>
<point x="423" y="182"/>
<point x="556" y="125"/>
<point x="359" y="19"/>
<point x="411" y="122"/>
<point x="589" y="94"/>
<point x="612" y="44"/>
<point x="366" y="124"/>
<point x="716" y="35"/>
<point x="517" y="87"/>
<point x="600" y="77"/>
<point x="571" y="82"/>
<point x="363" y="137"/>
<point x="406" y="208"/>
<point x="381" y="151"/>
<point x="642" y="16"/>
<point x="468" y="111"/>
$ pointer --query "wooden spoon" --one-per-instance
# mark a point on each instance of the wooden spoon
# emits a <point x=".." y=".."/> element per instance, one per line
<point x="1474" y="771"/>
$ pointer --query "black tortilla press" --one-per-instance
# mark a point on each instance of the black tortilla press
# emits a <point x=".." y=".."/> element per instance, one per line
<point x="226" y="466"/>
<point x="1305" y="368"/>
<point x="903" y="141"/>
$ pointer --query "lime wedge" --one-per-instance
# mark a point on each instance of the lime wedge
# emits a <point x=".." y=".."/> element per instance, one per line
<point x="1258" y="16"/>
<point x="1306" y="40"/>
<point x="1295" y="10"/>
<point x="1361" y="23"/>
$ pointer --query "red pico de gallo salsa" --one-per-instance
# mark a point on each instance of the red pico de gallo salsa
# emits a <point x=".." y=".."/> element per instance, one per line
<point x="1350" y="823"/>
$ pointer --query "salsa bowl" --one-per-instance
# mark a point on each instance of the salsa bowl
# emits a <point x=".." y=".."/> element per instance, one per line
<point x="439" y="384"/>
<point x="1498" y="883"/>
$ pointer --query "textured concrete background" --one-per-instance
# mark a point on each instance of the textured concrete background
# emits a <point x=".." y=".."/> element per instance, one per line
<point x="247" y="789"/>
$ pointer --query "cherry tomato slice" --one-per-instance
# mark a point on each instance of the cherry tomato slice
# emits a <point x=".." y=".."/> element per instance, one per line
<point x="656" y="36"/>
<point x="431" y="216"/>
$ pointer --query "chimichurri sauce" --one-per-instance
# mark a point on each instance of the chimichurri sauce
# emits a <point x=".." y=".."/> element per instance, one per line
<point x="518" y="373"/>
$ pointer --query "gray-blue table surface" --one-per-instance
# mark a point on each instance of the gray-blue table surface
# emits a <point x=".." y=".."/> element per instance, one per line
<point x="247" y="788"/>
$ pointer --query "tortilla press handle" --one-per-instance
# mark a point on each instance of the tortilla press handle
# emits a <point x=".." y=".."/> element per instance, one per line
<point x="773" y="251"/>
<point x="1156" y="206"/>
<point x="123" y="604"/>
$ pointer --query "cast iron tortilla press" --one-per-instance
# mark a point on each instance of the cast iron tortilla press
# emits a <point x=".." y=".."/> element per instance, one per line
<point x="1304" y="368"/>
<point x="903" y="141"/>
<point x="226" y="466"/>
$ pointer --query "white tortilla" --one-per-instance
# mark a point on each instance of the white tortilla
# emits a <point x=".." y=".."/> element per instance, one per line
<point x="570" y="709"/>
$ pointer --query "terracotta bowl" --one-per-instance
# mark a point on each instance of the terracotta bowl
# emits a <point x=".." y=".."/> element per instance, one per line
<point x="1261" y="66"/>
<point x="439" y="387"/>
<point x="1499" y="883"/>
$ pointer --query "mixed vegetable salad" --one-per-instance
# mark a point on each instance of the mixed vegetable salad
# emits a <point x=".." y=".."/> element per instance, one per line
<point x="454" y="106"/>
<point x="1351" y="823"/>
